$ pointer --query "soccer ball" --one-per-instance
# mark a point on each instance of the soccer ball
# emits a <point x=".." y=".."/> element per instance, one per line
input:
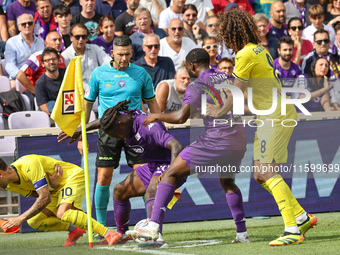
<point x="140" y="224"/>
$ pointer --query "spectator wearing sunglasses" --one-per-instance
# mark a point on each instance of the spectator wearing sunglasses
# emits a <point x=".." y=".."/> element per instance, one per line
<point x="210" y="44"/>
<point x="316" y="16"/>
<point x="92" y="55"/>
<point x="16" y="9"/>
<point x="142" y="18"/>
<point x="175" y="45"/>
<point x="20" y="47"/>
<point x="301" y="47"/>
<point x="172" y="12"/>
<point x="192" y="30"/>
<point x="298" y="9"/>
<point x="322" y="49"/>
<point x="159" y="68"/>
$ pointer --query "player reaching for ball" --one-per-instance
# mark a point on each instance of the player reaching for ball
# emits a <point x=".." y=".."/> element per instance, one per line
<point x="221" y="145"/>
<point x="254" y="67"/>
<point x="153" y="143"/>
<point x="59" y="188"/>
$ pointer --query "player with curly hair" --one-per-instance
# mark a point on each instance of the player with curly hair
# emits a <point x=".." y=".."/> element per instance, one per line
<point x="254" y="67"/>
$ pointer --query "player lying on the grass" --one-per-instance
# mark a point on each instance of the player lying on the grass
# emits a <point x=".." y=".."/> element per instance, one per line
<point x="223" y="145"/>
<point x="154" y="143"/>
<point x="254" y="68"/>
<point x="59" y="188"/>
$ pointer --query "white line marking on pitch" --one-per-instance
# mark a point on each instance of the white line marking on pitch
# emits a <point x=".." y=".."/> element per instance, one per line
<point x="188" y="244"/>
<point x="157" y="251"/>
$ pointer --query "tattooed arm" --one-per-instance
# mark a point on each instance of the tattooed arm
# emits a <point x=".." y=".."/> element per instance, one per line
<point x="42" y="201"/>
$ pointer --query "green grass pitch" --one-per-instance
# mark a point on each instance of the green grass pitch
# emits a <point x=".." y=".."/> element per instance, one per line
<point x="205" y="238"/>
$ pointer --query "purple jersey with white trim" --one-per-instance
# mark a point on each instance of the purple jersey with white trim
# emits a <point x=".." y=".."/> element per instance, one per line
<point x="234" y="136"/>
<point x="150" y="142"/>
<point x="287" y="77"/>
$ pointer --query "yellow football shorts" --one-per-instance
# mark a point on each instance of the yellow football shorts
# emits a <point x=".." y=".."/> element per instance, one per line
<point x="72" y="192"/>
<point x="270" y="143"/>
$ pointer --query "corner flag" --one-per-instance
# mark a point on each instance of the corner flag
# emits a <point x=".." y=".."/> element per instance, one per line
<point x="68" y="112"/>
<point x="70" y="101"/>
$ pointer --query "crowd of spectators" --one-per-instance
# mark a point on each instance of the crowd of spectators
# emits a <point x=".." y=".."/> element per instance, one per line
<point x="302" y="37"/>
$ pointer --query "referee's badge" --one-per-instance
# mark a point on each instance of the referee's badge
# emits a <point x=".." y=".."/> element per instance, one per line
<point x="121" y="83"/>
<point x="68" y="102"/>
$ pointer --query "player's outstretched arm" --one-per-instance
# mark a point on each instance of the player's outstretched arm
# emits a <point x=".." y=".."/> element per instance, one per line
<point x="175" y="147"/>
<point x="42" y="201"/>
<point x="90" y="126"/>
<point x="176" y="117"/>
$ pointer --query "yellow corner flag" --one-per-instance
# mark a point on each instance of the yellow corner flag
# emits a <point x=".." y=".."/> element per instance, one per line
<point x="70" y="101"/>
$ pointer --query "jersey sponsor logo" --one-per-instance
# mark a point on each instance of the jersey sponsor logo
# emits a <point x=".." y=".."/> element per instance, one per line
<point x="137" y="136"/>
<point x="121" y="75"/>
<point x="150" y="125"/>
<point x="68" y="102"/>
<point x="137" y="148"/>
<point x="108" y="85"/>
<point x="105" y="158"/>
<point x="121" y="83"/>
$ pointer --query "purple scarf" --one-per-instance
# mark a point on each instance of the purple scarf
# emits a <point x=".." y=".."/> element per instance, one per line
<point x="302" y="13"/>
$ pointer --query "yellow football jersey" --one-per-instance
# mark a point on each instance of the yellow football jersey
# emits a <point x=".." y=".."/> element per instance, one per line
<point x="254" y="65"/>
<point x="32" y="171"/>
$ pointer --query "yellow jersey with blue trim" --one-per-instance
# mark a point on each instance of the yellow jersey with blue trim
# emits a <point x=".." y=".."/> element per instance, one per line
<point x="32" y="170"/>
<point x="255" y="66"/>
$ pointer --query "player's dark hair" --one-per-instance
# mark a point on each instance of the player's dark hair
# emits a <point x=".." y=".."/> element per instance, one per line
<point x="101" y="23"/>
<point x="198" y="56"/>
<point x="293" y="19"/>
<point x="49" y="50"/>
<point x="62" y="10"/>
<point x="189" y="7"/>
<point x="123" y="40"/>
<point x="111" y="114"/>
<point x="238" y="28"/>
<point x="3" y="165"/>
<point x="313" y="84"/>
<point x="81" y="26"/>
<point x="287" y="40"/>
<point x="320" y="31"/>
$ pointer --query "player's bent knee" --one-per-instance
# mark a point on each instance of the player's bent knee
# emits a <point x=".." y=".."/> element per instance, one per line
<point x="120" y="192"/>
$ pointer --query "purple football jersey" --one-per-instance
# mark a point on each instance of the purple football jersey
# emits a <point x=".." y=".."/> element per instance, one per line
<point x="218" y="136"/>
<point x="287" y="77"/>
<point x="150" y="142"/>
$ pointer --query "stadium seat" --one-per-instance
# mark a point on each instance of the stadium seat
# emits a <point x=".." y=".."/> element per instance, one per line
<point x="3" y="68"/>
<point x="2" y="126"/>
<point x="7" y="147"/>
<point x="35" y="104"/>
<point x="5" y="84"/>
<point x="19" y="86"/>
<point x="28" y="119"/>
<point x="27" y="102"/>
